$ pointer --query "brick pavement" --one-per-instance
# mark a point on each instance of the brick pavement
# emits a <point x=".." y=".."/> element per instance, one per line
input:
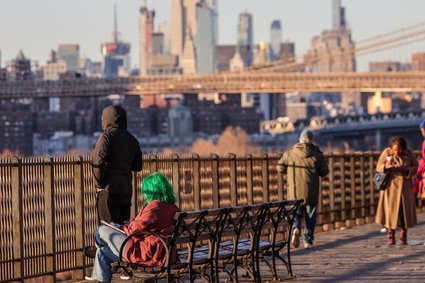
<point x="361" y="254"/>
<point x="357" y="254"/>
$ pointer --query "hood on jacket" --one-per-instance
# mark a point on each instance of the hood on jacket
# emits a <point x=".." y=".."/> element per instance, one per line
<point x="114" y="117"/>
<point x="306" y="149"/>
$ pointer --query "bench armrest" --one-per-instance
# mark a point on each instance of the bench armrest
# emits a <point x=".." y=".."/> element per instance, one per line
<point x="142" y="233"/>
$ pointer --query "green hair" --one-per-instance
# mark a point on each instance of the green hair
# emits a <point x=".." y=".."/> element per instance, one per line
<point x="157" y="187"/>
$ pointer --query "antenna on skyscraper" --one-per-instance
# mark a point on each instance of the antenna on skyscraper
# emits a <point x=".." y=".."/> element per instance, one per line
<point x="115" y="33"/>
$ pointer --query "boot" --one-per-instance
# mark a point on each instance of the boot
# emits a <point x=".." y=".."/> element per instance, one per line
<point x="391" y="237"/>
<point x="403" y="236"/>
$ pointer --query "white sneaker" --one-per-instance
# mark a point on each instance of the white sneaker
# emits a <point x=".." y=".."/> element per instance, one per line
<point x="295" y="238"/>
<point x="383" y="230"/>
<point x="308" y="245"/>
<point x="125" y="277"/>
<point x="89" y="278"/>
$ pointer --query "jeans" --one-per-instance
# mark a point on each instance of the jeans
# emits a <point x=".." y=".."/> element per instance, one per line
<point x="309" y="211"/>
<point x="108" y="242"/>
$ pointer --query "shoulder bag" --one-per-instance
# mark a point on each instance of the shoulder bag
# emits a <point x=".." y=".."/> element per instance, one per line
<point x="381" y="180"/>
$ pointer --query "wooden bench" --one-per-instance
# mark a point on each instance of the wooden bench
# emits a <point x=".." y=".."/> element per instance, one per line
<point x="223" y="240"/>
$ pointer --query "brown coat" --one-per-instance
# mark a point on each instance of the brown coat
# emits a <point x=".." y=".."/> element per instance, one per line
<point x="399" y="190"/>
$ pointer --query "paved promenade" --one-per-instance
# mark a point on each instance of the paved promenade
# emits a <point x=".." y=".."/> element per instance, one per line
<point x="361" y="254"/>
<point x="357" y="254"/>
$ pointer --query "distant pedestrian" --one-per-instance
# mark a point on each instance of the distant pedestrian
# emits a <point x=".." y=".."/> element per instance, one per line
<point x="304" y="164"/>
<point x="116" y="155"/>
<point x="396" y="206"/>
<point x="418" y="186"/>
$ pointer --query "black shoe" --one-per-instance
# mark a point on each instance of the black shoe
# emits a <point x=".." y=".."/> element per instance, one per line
<point x="90" y="251"/>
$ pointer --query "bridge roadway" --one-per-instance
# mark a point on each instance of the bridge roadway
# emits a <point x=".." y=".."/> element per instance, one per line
<point x="229" y="82"/>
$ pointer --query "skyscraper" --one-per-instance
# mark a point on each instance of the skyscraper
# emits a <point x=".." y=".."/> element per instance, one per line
<point x="275" y="39"/>
<point x="204" y="38"/>
<point x="338" y="15"/>
<point x="115" y="54"/>
<point x="178" y="27"/>
<point x="70" y="53"/>
<point x="246" y="34"/>
<point x="146" y="25"/>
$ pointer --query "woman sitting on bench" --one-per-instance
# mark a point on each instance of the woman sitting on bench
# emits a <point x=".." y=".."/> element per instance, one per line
<point x="156" y="215"/>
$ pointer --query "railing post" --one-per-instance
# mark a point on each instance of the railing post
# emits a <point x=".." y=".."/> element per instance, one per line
<point x="265" y="177"/>
<point x="280" y="186"/>
<point x="233" y="181"/>
<point x="362" y="186"/>
<point x="332" y="187"/>
<point x="175" y="172"/>
<point x="154" y="165"/>
<point x="49" y="219"/>
<point x="249" y="181"/>
<point x="214" y="169"/>
<point x="80" y="226"/>
<point x="196" y="182"/>
<point x="353" y="188"/>
<point x="371" y="184"/>
<point x="343" y="194"/>
<point x="17" y="220"/>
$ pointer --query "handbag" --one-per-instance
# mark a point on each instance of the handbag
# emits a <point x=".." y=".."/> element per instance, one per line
<point x="380" y="180"/>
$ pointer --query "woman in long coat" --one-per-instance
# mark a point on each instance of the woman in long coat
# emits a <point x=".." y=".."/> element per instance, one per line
<point x="396" y="206"/>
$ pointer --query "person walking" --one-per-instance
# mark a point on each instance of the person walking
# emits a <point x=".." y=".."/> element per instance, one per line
<point x="396" y="205"/>
<point x="304" y="164"/>
<point x="117" y="153"/>
<point x="418" y="186"/>
<point x="157" y="215"/>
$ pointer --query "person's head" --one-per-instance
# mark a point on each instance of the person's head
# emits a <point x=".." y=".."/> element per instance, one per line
<point x="114" y="116"/>
<point x="398" y="145"/>
<point x="306" y="136"/>
<point x="157" y="187"/>
<point x="422" y="128"/>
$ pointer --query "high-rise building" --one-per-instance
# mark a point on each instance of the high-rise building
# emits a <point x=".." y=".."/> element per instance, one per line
<point x="275" y="40"/>
<point x="146" y="28"/>
<point x="418" y="61"/>
<point x="333" y="50"/>
<point x="204" y="39"/>
<point x="20" y="67"/>
<point x="70" y="53"/>
<point x="178" y="27"/>
<point x="116" y="54"/>
<point x="246" y="34"/>
<point x="338" y="15"/>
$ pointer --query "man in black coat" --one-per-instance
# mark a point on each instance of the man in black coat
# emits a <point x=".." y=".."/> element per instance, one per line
<point x="116" y="155"/>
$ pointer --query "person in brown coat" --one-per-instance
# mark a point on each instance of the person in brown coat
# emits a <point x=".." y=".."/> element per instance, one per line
<point x="396" y="206"/>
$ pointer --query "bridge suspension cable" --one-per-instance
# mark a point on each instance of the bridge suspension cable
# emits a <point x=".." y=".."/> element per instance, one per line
<point x="389" y="40"/>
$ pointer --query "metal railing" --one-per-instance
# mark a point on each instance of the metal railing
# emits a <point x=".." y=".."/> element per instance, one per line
<point x="48" y="214"/>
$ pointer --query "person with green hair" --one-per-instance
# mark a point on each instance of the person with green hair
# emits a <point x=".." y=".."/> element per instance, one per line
<point x="156" y="215"/>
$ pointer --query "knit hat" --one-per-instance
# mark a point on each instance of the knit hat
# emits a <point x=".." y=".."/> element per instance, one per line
<point x="306" y="134"/>
<point x="422" y="125"/>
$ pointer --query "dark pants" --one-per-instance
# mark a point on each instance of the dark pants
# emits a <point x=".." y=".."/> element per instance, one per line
<point x="111" y="212"/>
<point x="309" y="212"/>
<point x="119" y="213"/>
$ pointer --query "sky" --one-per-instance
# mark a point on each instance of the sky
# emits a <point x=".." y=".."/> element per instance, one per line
<point x="38" y="26"/>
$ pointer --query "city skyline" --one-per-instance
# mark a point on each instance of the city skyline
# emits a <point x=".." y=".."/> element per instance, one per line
<point x="89" y="24"/>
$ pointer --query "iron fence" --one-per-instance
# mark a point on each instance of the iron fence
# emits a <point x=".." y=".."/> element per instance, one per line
<point x="48" y="214"/>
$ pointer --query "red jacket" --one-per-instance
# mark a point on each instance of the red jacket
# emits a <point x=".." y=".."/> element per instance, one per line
<point x="156" y="217"/>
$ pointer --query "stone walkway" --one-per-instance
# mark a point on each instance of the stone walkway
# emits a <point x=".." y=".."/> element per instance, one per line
<point x="361" y="254"/>
<point x="357" y="254"/>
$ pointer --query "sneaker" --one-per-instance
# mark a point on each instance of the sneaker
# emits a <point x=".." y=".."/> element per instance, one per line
<point x="89" y="251"/>
<point x="89" y="278"/>
<point x="295" y="238"/>
<point x="125" y="277"/>
<point x="308" y="245"/>
<point x="383" y="230"/>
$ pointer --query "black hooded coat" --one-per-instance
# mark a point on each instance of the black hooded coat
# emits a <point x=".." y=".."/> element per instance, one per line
<point x="116" y="155"/>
